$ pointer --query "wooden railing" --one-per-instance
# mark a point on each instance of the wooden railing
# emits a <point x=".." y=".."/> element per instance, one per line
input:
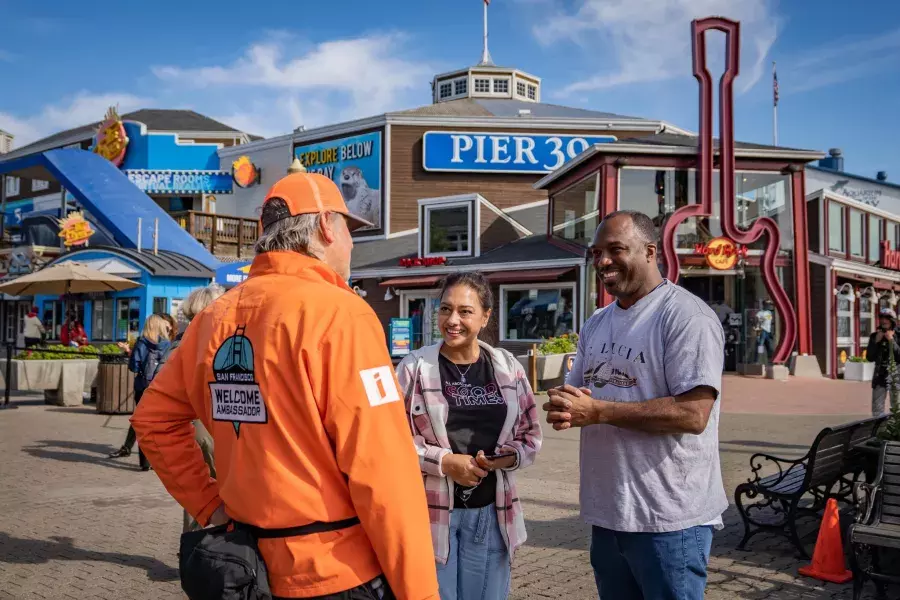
<point x="221" y="234"/>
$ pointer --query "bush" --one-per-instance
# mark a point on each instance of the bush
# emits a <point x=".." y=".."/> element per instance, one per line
<point x="857" y="359"/>
<point x="42" y="353"/>
<point x="564" y="344"/>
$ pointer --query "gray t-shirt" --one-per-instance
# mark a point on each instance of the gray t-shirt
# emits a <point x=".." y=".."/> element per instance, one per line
<point x="667" y="343"/>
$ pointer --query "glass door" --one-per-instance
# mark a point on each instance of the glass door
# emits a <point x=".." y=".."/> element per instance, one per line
<point x="846" y="339"/>
<point x="422" y="308"/>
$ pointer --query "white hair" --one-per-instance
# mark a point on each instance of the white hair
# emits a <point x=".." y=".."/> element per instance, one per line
<point x="296" y="234"/>
<point x="199" y="299"/>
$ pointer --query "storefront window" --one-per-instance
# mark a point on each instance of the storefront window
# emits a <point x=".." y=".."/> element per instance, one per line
<point x="533" y="313"/>
<point x="104" y="317"/>
<point x="857" y="233"/>
<point x="875" y="237"/>
<point x="52" y="318"/>
<point x="836" y="227"/>
<point x="128" y="323"/>
<point x="866" y="319"/>
<point x="576" y="212"/>
<point x="422" y="308"/>
<point x="660" y="192"/>
<point x="160" y="305"/>
<point x="892" y="235"/>
<point x="449" y="230"/>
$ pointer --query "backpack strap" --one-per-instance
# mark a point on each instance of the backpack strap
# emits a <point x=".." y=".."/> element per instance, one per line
<point x="308" y="529"/>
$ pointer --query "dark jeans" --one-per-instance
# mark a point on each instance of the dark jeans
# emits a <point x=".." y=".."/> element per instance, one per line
<point x="131" y="436"/>
<point x="29" y="342"/>
<point x="377" y="589"/>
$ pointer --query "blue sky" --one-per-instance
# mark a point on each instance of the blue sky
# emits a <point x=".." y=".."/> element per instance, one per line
<point x="270" y="66"/>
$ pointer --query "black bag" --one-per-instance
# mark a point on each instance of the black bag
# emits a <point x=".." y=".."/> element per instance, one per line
<point x="224" y="563"/>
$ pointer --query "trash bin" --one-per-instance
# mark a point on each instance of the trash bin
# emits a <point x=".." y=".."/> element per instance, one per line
<point x="115" y="385"/>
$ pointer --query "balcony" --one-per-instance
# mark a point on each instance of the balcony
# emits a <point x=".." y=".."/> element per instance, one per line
<point x="223" y="236"/>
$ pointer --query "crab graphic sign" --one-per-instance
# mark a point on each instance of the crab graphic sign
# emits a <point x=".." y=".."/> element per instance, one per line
<point x="111" y="141"/>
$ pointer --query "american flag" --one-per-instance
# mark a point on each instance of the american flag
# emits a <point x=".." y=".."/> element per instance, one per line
<point x="774" y="84"/>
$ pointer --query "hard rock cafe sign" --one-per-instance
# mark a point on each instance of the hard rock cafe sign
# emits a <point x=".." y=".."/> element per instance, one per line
<point x="111" y="141"/>
<point x="721" y="253"/>
<point x="75" y="230"/>
<point x="890" y="259"/>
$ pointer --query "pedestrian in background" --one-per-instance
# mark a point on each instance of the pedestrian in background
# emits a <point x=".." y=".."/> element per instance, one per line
<point x="645" y="388"/>
<point x="193" y="305"/>
<point x="34" y="329"/>
<point x="290" y="374"/>
<point x="145" y="357"/>
<point x="884" y="351"/>
<point x="474" y="421"/>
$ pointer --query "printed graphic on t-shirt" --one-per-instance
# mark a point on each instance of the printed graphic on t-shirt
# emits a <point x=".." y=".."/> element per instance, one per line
<point x="235" y="394"/>
<point x="466" y="394"/>
<point x="606" y="373"/>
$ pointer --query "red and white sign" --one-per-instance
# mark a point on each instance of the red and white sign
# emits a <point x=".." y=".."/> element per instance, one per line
<point x="432" y="261"/>
<point x="890" y="259"/>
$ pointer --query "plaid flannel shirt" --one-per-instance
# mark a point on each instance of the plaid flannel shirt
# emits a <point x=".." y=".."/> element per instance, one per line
<point x="419" y="375"/>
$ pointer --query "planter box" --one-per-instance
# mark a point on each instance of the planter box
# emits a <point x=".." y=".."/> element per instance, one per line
<point x="69" y="378"/>
<point x="550" y="369"/>
<point x="856" y="371"/>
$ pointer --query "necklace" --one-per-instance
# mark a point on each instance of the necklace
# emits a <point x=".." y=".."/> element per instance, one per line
<point x="462" y="376"/>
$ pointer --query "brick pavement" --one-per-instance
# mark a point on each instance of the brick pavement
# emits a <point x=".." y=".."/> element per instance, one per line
<point x="76" y="525"/>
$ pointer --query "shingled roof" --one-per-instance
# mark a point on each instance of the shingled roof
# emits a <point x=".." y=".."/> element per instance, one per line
<point x="156" y="119"/>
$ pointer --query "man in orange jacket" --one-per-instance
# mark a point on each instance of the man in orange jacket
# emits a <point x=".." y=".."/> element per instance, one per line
<point x="290" y="373"/>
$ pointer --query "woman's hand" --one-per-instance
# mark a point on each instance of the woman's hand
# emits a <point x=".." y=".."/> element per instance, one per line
<point x="462" y="469"/>
<point x="492" y="465"/>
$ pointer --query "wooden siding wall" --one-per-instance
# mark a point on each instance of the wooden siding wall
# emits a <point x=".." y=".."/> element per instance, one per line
<point x="410" y="182"/>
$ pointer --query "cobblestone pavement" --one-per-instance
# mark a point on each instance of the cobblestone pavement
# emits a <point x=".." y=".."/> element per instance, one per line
<point x="77" y="525"/>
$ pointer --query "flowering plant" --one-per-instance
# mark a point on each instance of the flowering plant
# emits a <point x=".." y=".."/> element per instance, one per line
<point x="563" y="344"/>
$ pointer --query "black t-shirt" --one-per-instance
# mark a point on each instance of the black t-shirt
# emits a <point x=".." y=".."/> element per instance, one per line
<point x="475" y="419"/>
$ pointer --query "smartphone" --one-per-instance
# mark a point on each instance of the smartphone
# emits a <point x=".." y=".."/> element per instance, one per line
<point x="496" y="456"/>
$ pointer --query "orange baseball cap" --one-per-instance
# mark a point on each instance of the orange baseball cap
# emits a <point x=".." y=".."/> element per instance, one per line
<point x="306" y="193"/>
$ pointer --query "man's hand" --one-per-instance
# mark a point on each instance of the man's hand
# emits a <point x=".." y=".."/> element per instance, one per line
<point x="889" y="334"/>
<point x="219" y="517"/>
<point x="462" y="469"/>
<point x="569" y="406"/>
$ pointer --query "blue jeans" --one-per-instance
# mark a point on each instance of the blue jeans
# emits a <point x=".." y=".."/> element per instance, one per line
<point x="651" y="566"/>
<point x="478" y="566"/>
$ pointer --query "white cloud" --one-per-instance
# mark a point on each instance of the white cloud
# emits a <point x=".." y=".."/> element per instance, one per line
<point x="271" y="89"/>
<point x="80" y="109"/>
<point x="650" y="40"/>
<point x="332" y="81"/>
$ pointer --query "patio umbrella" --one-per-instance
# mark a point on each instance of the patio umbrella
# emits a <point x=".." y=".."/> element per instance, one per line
<point x="66" y="278"/>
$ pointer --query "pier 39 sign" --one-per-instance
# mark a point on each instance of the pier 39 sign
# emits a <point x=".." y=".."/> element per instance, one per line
<point x="503" y="152"/>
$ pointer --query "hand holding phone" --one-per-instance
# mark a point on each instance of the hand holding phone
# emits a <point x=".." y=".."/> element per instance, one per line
<point x="502" y="460"/>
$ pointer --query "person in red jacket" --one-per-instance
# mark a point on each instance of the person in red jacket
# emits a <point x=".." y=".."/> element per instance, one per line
<point x="289" y="372"/>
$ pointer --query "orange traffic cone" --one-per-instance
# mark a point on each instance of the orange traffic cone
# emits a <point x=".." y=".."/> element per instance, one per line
<point x="828" y="558"/>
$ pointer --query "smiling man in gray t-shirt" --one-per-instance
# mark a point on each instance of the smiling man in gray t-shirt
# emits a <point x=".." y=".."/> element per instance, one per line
<point x="645" y="388"/>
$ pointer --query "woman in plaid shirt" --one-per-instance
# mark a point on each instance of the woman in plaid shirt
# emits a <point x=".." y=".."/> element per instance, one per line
<point x="474" y="420"/>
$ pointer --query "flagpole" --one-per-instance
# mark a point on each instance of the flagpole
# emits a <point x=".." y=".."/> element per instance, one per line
<point x="774" y="106"/>
<point x="485" y="55"/>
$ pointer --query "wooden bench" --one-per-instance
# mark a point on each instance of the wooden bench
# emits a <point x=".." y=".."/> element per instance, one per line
<point x="877" y="523"/>
<point x="834" y="459"/>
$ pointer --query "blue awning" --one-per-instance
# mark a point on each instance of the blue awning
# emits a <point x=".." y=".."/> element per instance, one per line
<point x="110" y="198"/>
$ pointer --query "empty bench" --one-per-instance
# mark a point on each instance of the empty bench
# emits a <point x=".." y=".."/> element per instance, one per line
<point x="877" y="523"/>
<point x="830" y="468"/>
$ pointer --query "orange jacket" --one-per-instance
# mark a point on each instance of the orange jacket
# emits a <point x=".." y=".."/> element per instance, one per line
<point x="290" y="373"/>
